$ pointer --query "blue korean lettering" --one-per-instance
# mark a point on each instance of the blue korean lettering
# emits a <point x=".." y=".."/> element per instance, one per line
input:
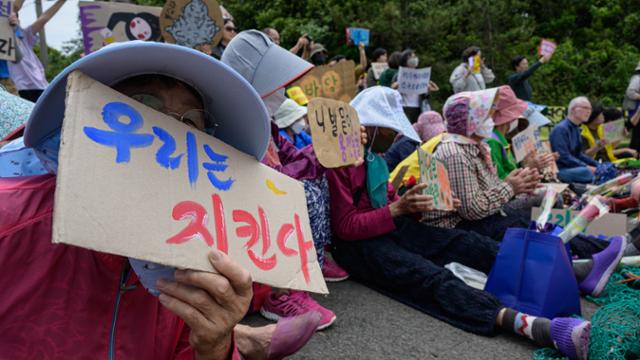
<point x="218" y="164"/>
<point x="192" y="158"/>
<point x="123" y="138"/>
<point x="163" y="155"/>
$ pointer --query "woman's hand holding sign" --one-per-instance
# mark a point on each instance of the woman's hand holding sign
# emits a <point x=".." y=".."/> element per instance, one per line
<point x="413" y="201"/>
<point x="210" y="304"/>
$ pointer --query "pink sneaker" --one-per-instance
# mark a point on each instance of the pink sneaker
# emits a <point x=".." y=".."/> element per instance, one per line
<point x="293" y="304"/>
<point x="332" y="272"/>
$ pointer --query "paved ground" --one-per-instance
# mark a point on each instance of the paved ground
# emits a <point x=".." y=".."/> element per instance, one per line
<point x="372" y="326"/>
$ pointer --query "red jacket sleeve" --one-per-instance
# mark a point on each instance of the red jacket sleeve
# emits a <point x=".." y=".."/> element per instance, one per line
<point x="349" y="222"/>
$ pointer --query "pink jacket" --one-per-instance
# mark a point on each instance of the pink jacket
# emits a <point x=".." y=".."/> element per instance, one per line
<point x="66" y="302"/>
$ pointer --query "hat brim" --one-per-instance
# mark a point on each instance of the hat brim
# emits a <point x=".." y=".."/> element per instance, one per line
<point x="242" y="118"/>
<point x="278" y="69"/>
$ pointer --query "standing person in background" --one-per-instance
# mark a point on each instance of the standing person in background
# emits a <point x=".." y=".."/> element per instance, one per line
<point x="27" y="72"/>
<point x="379" y="55"/>
<point x="632" y="94"/>
<point x="229" y="31"/>
<point x="304" y="44"/>
<point x="386" y="78"/>
<point x="463" y="78"/>
<point x="412" y="103"/>
<point x="519" y="80"/>
<point x="273" y="34"/>
<point x="318" y="54"/>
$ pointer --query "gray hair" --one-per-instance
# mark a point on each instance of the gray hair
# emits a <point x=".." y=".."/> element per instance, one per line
<point x="576" y="101"/>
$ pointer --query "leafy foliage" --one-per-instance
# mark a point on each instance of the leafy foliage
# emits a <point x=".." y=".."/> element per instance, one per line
<point x="598" y="45"/>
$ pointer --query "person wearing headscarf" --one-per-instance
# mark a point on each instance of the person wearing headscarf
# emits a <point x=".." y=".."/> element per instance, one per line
<point x="290" y="119"/>
<point x="382" y="245"/>
<point x="429" y="125"/>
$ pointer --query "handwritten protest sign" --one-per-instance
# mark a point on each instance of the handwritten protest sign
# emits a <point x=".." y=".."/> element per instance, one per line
<point x="525" y="143"/>
<point x="547" y="47"/>
<point x="378" y="68"/>
<point x="397" y="180"/>
<point x="356" y="36"/>
<point x="191" y="23"/>
<point x="613" y="131"/>
<point x="414" y="81"/>
<point x="434" y="173"/>
<point x="137" y="183"/>
<point x="7" y="35"/>
<point x="335" y="130"/>
<point x="103" y="23"/>
<point x="336" y="82"/>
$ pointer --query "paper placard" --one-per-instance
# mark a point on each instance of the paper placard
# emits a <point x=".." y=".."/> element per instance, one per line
<point x="525" y="143"/>
<point x="607" y="225"/>
<point x="192" y="23"/>
<point x="335" y="132"/>
<point x="547" y="47"/>
<point x="336" y="82"/>
<point x="475" y="63"/>
<point x="613" y="131"/>
<point x="533" y="115"/>
<point x="7" y="34"/>
<point x="103" y="23"/>
<point x="434" y="173"/>
<point x="413" y="81"/>
<point x="137" y="183"/>
<point x="397" y="180"/>
<point x="378" y="68"/>
<point x="355" y="36"/>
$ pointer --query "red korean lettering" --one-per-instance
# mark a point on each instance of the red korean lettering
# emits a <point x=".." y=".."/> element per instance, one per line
<point x="197" y="216"/>
<point x="221" y="229"/>
<point x="304" y="247"/>
<point x="252" y="231"/>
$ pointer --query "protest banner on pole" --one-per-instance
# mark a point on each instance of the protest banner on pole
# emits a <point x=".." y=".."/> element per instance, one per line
<point x="547" y="47"/>
<point x="355" y="36"/>
<point x="613" y="131"/>
<point x="335" y="132"/>
<point x="7" y="34"/>
<point x="137" y="183"/>
<point x="525" y="143"/>
<point x="378" y="68"/>
<point x="330" y="81"/>
<point x="413" y="81"/>
<point x="103" y="23"/>
<point x="192" y="23"/>
<point x="607" y="225"/>
<point x="434" y="173"/>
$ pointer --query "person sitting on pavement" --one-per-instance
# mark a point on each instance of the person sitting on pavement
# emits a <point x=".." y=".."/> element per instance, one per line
<point x="429" y="125"/>
<point x="291" y="120"/>
<point x="197" y="314"/>
<point x="594" y="144"/>
<point x="574" y="166"/>
<point x="382" y="245"/>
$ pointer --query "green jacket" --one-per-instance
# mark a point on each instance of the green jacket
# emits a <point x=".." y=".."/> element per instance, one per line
<point x="386" y="78"/>
<point x="501" y="154"/>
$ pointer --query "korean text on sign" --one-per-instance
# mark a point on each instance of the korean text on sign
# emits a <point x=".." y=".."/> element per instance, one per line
<point x="414" y="81"/>
<point x="138" y="183"/>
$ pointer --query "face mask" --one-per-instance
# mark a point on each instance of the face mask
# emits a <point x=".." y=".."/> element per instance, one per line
<point x="485" y="129"/>
<point x="413" y="62"/>
<point x="274" y="101"/>
<point x="298" y="126"/>
<point x="513" y="126"/>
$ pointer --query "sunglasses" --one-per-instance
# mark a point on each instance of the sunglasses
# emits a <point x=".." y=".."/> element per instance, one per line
<point x="230" y="29"/>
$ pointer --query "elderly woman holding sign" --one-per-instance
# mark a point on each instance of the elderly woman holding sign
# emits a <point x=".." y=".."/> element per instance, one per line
<point x="86" y="303"/>
<point x="382" y="245"/>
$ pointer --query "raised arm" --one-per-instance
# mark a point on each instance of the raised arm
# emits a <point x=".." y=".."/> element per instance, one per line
<point x="46" y="16"/>
<point x="17" y="5"/>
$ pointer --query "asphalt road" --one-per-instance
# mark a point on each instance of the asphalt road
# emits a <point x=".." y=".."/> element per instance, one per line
<point x="371" y="326"/>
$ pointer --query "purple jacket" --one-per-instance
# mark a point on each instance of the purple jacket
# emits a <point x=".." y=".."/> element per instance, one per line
<point x="300" y="164"/>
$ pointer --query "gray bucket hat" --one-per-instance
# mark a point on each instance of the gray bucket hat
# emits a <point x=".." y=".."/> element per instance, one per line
<point x="267" y="66"/>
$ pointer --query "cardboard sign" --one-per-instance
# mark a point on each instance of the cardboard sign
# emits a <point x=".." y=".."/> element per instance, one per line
<point x="547" y="47"/>
<point x="434" y="173"/>
<point x="103" y="23"/>
<point x="475" y="63"/>
<point x="137" y="183"/>
<point x="7" y="34"/>
<point x="336" y="82"/>
<point x="536" y="119"/>
<point x="608" y="225"/>
<point x="613" y="131"/>
<point x="525" y="143"/>
<point x="192" y="23"/>
<point x="378" y="68"/>
<point x="413" y="81"/>
<point x="335" y="132"/>
<point x="356" y="36"/>
<point x="397" y="180"/>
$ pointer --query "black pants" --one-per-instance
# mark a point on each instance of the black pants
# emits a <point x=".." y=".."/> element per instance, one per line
<point x="31" y="95"/>
<point x="412" y="113"/>
<point x="407" y="265"/>
<point x="495" y="226"/>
